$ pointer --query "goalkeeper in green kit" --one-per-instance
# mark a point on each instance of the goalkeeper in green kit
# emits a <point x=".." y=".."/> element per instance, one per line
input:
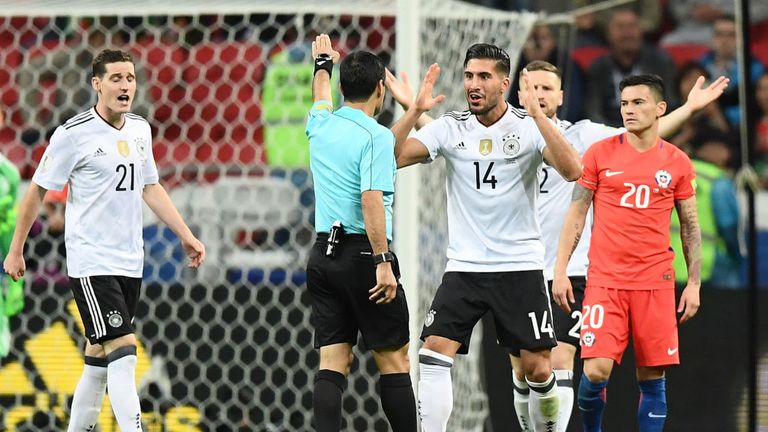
<point x="11" y="293"/>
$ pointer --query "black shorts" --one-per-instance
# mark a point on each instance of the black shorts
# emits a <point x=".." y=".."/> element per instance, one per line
<point x="340" y="306"/>
<point x="107" y="305"/>
<point x="518" y="300"/>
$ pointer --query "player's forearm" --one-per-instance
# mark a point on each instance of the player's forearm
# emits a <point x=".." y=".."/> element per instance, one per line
<point x="403" y="127"/>
<point x="690" y="236"/>
<point x="560" y="154"/>
<point x="375" y="220"/>
<point x="27" y="213"/>
<point x="321" y="86"/>
<point x="570" y="236"/>
<point x="158" y="200"/>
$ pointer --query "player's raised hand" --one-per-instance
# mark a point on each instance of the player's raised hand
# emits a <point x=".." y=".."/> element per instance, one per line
<point x="386" y="285"/>
<point x="528" y="97"/>
<point x="562" y="293"/>
<point x="701" y="96"/>
<point x="322" y="45"/>
<point x="15" y="266"/>
<point x="689" y="303"/>
<point x="400" y="89"/>
<point x="195" y="250"/>
<point x="424" y="99"/>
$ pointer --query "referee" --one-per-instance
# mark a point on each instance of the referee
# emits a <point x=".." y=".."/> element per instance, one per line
<point x="352" y="275"/>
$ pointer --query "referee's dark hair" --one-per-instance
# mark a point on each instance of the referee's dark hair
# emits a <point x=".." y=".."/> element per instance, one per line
<point x="107" y="56"/>
<point x="484" y="51"/>
<point x="653" y="82"/>
<point x="359" y="74"/>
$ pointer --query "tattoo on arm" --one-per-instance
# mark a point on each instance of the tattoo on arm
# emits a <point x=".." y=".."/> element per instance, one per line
<point x="690" y="236"/>
<point x="580" y="193"/>
<point x="576" y="239"/>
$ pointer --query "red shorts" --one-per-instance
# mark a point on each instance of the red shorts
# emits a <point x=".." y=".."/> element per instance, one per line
<point x="608" y="315"/>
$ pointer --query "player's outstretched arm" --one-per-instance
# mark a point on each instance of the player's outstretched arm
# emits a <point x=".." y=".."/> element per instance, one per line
<point x="698" y="98"/>
<point x="559" y="153"/>
<point x="573" y="226"/>
<point x="324" y="57"/>
<point x="402" y="93"/>
<point x="409" y="151"/>
<point x="14" y="263"/>
<point x="158" y="200"/>
<point x="690" y="235"/>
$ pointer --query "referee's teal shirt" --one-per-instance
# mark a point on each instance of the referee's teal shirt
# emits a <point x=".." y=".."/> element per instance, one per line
<point x="349" y="153"/>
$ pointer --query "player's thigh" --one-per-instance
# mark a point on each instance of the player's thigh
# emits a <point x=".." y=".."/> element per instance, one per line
<point x="604" y="323"/>
<point x="521" y="311"/>
<point x="331" y="316"/>
<point x="654" y="327"/>
<point x="381" y="325"/>
<point x="456" y="308"/>
<point x="103" y="307"/>
<point x="568" y="325"/>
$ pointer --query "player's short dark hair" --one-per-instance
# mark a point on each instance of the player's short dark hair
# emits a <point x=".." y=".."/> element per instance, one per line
<point x="484" y="51"/>
<point x="106" y="57"/>
<point x="541" y="65"/>
<point x="652" y="81"/>
<point x="359" y="74"/>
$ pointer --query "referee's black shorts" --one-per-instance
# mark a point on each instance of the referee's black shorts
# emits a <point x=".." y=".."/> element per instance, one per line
<point x="340" y="305"/>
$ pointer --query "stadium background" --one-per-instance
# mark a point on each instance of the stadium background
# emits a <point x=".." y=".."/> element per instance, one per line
<point x="226" y="88"/>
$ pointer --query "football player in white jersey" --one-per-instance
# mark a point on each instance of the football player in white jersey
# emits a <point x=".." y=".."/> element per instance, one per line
<point x="554" y="198"/>
<point x="105" y="156"/>
<point x="493" y="153"/>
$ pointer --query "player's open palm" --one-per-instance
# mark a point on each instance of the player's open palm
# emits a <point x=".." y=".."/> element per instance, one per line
<point x="424" y="99"/>
<point x="386" y="285"/>
<point x="562" y="293"/>
<point x="195" y="250"/>
<point x="701" y="96"/>
<point x="400" y="89"/>
<point x="322" y="45"/>
<point x="15" y="266"/>
<point x="529" y="100"/>
<point x="689" y="303"/>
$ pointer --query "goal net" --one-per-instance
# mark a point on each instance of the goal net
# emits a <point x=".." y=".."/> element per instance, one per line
<point x="226" y="88"/>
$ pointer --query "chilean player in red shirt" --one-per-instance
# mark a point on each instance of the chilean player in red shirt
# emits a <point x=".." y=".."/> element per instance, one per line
<point x="633" y="180"/>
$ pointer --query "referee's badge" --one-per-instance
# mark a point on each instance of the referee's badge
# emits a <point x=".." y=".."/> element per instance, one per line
<point x="123" y="149"/>
<point x="486" y="146"/>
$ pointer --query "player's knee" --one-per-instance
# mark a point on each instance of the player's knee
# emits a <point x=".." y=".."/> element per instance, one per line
<point x="441" y="345"/>
<point x="596" y="372"/>
<point x="393" y="361"/>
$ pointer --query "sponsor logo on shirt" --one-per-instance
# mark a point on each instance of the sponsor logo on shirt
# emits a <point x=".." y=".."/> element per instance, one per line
<point x="460" y="146"/>
<point x="486" y="146"/>
<point x="609" y="173"/>
<point x="99" y="152"/>
<point x="663" y="178"/>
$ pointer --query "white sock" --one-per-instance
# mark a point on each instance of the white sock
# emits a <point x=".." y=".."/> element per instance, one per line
<point x="544" y="404"/>
<point x="520" y="394"/>
<point x="435" y="390"/>
<point x="89" y="395"/>
<point x="564" y="379"/>
<point x="121" y="383"/>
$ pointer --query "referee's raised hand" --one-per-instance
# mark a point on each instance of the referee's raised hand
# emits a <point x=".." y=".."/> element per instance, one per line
<point x="386" y="285"/>
<point x="322" y="45"/>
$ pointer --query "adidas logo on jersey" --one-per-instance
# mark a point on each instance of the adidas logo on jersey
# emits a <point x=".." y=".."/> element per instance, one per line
<point x="460" y="146"/>
<point x="99" y="152"/>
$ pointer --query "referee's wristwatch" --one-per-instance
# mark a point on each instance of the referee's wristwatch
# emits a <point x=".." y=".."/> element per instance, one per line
<point x="383" y="257"/>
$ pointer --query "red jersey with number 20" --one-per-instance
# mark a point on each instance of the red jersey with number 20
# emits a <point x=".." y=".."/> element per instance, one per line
<point x="635" y="193"/>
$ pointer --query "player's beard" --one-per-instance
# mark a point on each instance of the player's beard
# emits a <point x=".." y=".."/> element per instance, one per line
<point x="482" y="110"/>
